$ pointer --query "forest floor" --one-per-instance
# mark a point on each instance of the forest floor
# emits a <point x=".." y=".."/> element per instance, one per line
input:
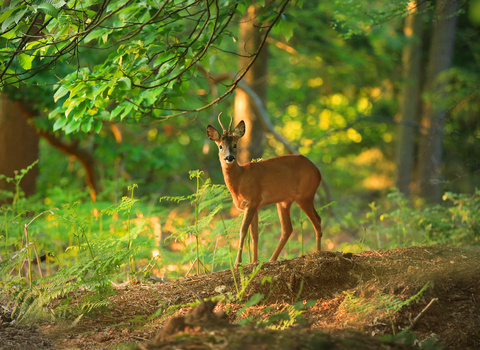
<point x="354" y="307"/>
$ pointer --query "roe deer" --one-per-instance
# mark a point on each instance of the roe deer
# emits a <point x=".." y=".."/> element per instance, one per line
<point x="282" y="180"/>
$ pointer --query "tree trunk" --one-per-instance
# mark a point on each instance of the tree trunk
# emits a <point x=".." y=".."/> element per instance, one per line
<point x="18" y="145"/>
<point x="440" y="60"/>
<point x="84" y="156"/>
<point x="409" y="106"/>
<point x="252" y="144"/>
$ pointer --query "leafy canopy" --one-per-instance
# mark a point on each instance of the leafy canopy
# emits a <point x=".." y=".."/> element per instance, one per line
<point x="127" y="58"/>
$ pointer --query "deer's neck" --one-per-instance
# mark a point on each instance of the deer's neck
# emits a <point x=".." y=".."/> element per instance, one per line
<point x="232" y="174"/>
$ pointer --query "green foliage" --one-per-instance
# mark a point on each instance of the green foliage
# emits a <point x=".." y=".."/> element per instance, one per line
<point x="83" y="274"/>
<point x="379" y="305"/>
<point x="134" y="58"/>
<point x="454" y="223"/>
<point x="289" y="315"/>
<point x="55" y="293"/>
<point x="19" y="175"/>
<point x="242" y="286"/>
<point x="410" y="339"/>
<point x="209" y="225"/>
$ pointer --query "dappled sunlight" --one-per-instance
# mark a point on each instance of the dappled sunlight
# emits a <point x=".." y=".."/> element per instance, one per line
<point x="354" y="135"/>
<point x="380" y="175"/>
<point x="293" y="130"/>
<point x="364" y="106"/>
<point x="177" y="246"/>
<point x="172" y="268"/>
<point x="378" y="182"/>
<point x="369" y="157"/>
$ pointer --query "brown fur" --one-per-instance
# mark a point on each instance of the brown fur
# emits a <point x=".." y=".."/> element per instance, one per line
<point x="281" y="180"/>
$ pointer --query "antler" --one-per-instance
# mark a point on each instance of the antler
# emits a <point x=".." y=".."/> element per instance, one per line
<point x="225" y="131"/>
<point x="220" y="121"/>
<point x="230" y="125"/>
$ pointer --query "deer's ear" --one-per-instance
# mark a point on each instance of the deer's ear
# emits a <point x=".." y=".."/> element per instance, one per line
<point x="213" y="134"/>
<point x="239" y="129"/>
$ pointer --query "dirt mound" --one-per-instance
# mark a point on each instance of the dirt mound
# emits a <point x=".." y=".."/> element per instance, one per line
<point x="201" y="316"/>
<point x="201" y="328"/>
<point x="374" y="293"/>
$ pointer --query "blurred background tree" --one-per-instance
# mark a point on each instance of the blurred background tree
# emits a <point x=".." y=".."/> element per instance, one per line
<point x="125" y="89"/>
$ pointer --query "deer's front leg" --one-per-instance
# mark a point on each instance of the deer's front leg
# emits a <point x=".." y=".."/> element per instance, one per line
<point x="250" y="212"/>
<point x="254" y="234"/>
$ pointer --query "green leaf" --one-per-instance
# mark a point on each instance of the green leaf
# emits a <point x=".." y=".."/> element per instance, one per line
<point x="19" y="15"/>
<point x="87" y="125"/>
<point x="72" y="126"/>
<point x="71" y="105"/>
<point x="7" y="23"/>
<point x="184" y="86"/>
<point x="309" y="304"/>
<point x="127" y="110"/>
<point x="55" y="112"/>
<point x="125" y="83"/>
<point x="25" y="60"/>
<point x="60" y="123"/>
<point x="254" y="300"/>
<point x="80" y="110"/>
<point x="284" y="26"/>
<point x="6" y="15"/>
<point x="94" y="35"/>
<point x="116" y="111"/>
<point x="97" y="125"/>
<point x="48" y="9"/>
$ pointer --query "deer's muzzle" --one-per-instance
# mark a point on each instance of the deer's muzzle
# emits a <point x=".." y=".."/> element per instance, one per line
<point x="229" y="159"/>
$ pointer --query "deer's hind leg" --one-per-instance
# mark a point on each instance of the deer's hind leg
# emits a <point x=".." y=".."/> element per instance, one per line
<point x="287" y="229"/>
<point x="306" y="204"/>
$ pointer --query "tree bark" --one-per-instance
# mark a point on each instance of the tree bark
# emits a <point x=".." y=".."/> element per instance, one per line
<point x="252" y="144"/>
<point x="84" y="156"/>
<point x="409" y="106"/>
<point x="440" y="60"/>
<point x="18" y="145"/>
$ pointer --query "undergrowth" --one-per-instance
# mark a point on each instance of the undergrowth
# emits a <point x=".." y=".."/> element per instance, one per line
<point x="398" y="223"/>
<point x="61" y="254"/>
<point x="379" y="306"/>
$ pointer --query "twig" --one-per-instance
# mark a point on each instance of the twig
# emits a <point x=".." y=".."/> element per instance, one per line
<point x="191" y="267"/>
<point x="38" y="260"/>
<point x="420" y="315"/>
<point x="193" y="264"/>
<point x="139" y="338"/>
<point x="198" y="295"/>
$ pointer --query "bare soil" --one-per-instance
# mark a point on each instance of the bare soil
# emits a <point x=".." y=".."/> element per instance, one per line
<point x="136" y="318"/>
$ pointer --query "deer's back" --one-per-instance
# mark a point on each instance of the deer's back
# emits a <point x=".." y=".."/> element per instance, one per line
<point x="284" y="178"/>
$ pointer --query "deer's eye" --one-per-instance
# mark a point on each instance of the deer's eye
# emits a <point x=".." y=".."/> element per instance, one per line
<point x="234" y="146"/>
<point x="221" y="147"/>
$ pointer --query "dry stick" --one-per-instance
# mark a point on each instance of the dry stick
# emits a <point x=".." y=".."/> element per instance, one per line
<point x="193" y="264"/>
<point x="38" y="259"/>
<point x="191" y="267"/>
<point x="25" y="229"/>
<point x="198" y="295"/>
<point x="420" y="315"/>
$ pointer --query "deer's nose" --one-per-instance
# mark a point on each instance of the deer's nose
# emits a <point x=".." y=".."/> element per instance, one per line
<point x="230" y="158"/>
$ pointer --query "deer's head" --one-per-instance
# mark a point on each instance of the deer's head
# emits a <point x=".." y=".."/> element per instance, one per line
<point x="227" y="142"/>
